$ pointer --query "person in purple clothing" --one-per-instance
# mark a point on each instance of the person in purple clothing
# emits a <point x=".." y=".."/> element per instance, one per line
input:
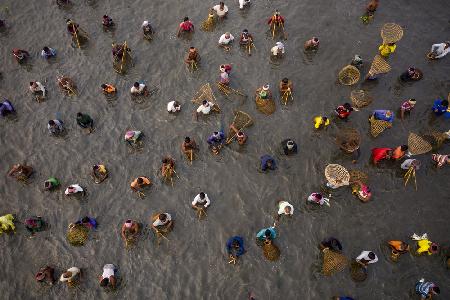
<point x="383" y="115"/>
<point x="89" y="222"/>
<point x="6" y="108"/>
<point x="235" y="248"/>
<point x="268" y="162"/>
<point x="342" y="298"/>
<point x="216" y="141"/>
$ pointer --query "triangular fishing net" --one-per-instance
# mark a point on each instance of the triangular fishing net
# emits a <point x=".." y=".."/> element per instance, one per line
<point x="360" y="98"/>
<point x="417" y="145"/>
<point x="378" y="126"/>
<point x="204" y="93"/>
<point x="379" y="66"/>
<point x="391" y="33"/>
<point x="349" y="75"/>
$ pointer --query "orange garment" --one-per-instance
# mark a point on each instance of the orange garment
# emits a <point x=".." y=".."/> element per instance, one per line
<point x="136" y="185"/>
<point x="398" y="153"/>
<point x="397" y="245"/>
<point x="109" y="89"/>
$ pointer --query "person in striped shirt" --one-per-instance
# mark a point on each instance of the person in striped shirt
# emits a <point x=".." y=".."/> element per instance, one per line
<point x="426" y="289"/>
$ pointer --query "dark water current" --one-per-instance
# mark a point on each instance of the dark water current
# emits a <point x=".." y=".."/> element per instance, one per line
<point x="193" y="265"/>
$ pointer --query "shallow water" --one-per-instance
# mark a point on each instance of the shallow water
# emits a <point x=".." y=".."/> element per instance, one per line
<point x="193" y="265"/>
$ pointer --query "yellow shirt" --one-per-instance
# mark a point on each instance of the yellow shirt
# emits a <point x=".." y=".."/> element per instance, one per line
<point x="424" y="246"/>
<point x="318" y="121"/>
<point x="386" y="50"/>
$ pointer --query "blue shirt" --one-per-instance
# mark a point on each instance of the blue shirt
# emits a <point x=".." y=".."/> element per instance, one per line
<point x="239" y="251"/>
<point x="440" y="109"/>
<point x="346" y="298"/>
<point x="92" y="222"/>
<point x="380" y="114"/>
<point x="262" y="233"/>
<point x="214" y="140"/>
<point x="264" y="162"/>
<point x="6" y="107"/>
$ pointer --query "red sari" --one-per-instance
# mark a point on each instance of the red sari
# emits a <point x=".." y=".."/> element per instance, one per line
<point x="379" y="154"/>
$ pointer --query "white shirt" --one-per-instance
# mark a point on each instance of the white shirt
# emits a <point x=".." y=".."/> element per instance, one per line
<point x="219" y="12"/>
<point x="159" y="223"/>
<point x="138" y="90"/>
<point x="282" y="205"/>
<point x="275" y="49"/>
<point x="77" y="187"/>
<point x="40" y="88"/>
<point x="407" y="163"/>
<point x="74" y="270"/>
<point x="242" y="3"/>
<point x="364" y="255"/>
<point x="198" y="200"/>
<point x="108" y="271"/>
<point x="205" y="109"/>
<point x="224" y="77"/>
<point x="171" y="107"/>
<point x="224" y="41"/>
<point x="439" y="50"/>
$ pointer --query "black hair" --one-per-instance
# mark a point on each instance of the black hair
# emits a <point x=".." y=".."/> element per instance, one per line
<point x="202" y="195"/>
<point x="31" y="82"/>
<point x="46" y="49"/>
<point x="162" y="217"/>
<point x="285" y="80"/>
<point x="51" y="122"/>
<point x="140" y="180"/>
<point x="371" y="255"/>
<point x="324" y="118"/>
<point x="221" y="3"/>
<point x="404" y="147"/>
<point x="444" y="102"/>
<point x="104" y="282"/>
<point x="267" y="233"/>
<point x="204" y="102"/>
<point x="105" y="16"/>
<point x="187" y="139"/>
<point x="191" y="47"/>
<point x="245" y="30"/>
<point x="319" y="196"/>
<point x="79" y="114"/>
<point x="103" y="86"/>
<point x="136" y="84"/>
<point x="315" y="39"/>
<point x="85" y="220"/>
<point x="436" y="289"/>
<point x="186" y="19"/>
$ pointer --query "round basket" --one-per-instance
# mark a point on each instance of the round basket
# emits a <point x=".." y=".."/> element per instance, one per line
<point x="349" y="75"/>
<point x="337" y="175"/>
<point x="360" y="98"/>
<point x="77" y="234"/>
<point x="266" y="106"/>
<point x="391" y="33"/>
<point x="333" y="262"/>
<point x="348" y="139"/>
<point x="271" y="252"/>
<point x="358" y="272"/>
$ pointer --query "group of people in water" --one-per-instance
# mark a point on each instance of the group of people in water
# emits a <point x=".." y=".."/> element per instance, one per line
<point x="162" y="222"/>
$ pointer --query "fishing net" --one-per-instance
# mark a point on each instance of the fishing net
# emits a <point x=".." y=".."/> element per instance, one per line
<point x="360" y="98"/>
<point x="348" y="139"/>
<point x="163" y="228"/>
<point x="77" y="234"/>
<point x="241" y="120"/>
<point x="271" y="252"/>
<point x="417" y="145"/>
<point x="391" y="33"/>
<point x="379" y="66"/>
<point x="435" y="139"/>
<point x="333" y="262"/>
<point x="337" y="175"/>
<point x="209" y="23"/>
<point x="204" y="93"/>
<point x="378" y="126"/>
<point x="349" y="75"/>
<point x="358" y="272"/>
<point x="266" y="106"/>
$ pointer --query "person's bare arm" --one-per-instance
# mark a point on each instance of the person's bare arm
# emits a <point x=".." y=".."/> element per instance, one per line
<point x="112" y="280"/>
<point x="179" y="31"/>
<point x="402" y="114"/>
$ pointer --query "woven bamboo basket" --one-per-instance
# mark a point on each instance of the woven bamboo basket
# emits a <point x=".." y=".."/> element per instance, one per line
<point x="358" y="272"/>
<point x="337" y="175"/>
<point x="391" y="33"/>
<point x="266" y="106"/>
<point x="333" y="262"/>
<point x="378" y="126"/>
<point x="349" y="75"/>
<point x="379" y="66"/>
<point x="360" y="98"/>
<point x="271" y="251"/>
<point x="77" y="234"/>
<point x="348" y="139"/>
<point x="357" y="175"/>
<point x="418" y="145"/>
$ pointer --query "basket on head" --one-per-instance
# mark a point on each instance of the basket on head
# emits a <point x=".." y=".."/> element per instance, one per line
<point x="337" y="175"/>
<point x="77" y="234"/>
<point x="204" y="93"/>
<point x="266" y="106"/>
<point x="436" y="139"/>
<point x="378" y="126"/>
<point x="357" y="175"/>
<point x="360" y="98"/>
<point x="418" y="145"/>
<point x="349" y="75"/>
<point x="348" y="139"/>
<point x="271" y="252"/>
<point x="379" y="66"/>
<point x="391" y="33"/>
<point x="333" y="262"/>
<point x="358" y="272"/>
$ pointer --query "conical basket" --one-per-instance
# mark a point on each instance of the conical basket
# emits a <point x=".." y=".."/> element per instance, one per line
<point x="418" y="145"/>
